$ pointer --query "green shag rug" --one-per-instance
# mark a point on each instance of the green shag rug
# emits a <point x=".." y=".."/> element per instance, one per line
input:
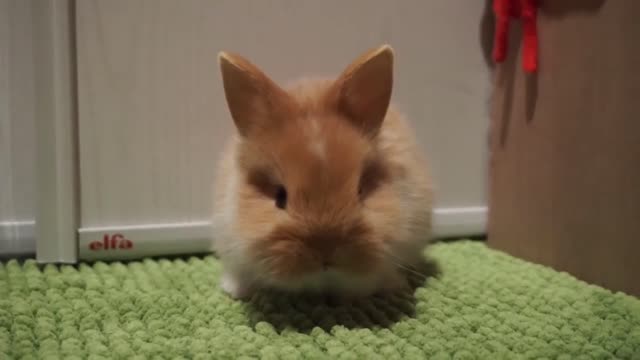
<point x="482" y="305"/>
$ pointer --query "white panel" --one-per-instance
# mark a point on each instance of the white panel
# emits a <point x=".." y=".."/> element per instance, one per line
<point x="17" y="131"/>
<point x="151" y="109"/>
<point x="17" y="238"/>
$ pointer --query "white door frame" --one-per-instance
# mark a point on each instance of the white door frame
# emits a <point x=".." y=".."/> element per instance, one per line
<point x="56" y="155"/>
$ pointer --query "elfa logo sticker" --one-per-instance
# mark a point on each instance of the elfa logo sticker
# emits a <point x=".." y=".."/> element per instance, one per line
<point x="113" y="242"/>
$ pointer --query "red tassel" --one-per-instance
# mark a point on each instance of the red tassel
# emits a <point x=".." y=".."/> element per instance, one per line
<point x="530" y="35"/>
<point x="502" y="10"/>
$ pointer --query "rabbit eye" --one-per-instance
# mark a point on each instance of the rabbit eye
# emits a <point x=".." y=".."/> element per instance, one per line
<point x="373" y="175"/>
<point x="281" y="197"/>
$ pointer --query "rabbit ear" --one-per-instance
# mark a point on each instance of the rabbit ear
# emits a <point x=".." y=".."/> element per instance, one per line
<point x="256" y="103"/>
<point x="363" y="91"/>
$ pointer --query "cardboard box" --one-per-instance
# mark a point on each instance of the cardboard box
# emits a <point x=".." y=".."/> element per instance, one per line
<point x="565" y="146"/>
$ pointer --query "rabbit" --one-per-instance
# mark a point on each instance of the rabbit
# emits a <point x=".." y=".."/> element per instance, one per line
<point x="322" y="187"/>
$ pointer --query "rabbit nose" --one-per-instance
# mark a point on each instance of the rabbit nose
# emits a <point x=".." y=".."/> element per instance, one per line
<point x="323" y="242"/>
<point x="325" y="258"/>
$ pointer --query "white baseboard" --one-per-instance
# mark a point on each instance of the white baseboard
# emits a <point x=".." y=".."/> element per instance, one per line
<point x="129" y="242"/>
<point x="460" y="221"/>
<point x="17" y="237"/>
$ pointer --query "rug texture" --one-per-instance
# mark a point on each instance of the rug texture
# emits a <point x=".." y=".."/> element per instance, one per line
<point x="483" y="304"/>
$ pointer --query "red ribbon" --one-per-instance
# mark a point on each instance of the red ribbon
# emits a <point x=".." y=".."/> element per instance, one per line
<point x="526" y="10"/>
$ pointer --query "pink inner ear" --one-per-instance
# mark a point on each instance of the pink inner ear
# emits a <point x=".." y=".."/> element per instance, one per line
<point x="365" y="91"/>
<point x="255" y="102"/>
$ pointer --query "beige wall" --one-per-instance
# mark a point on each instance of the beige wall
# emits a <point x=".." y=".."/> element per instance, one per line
<point x="152" y="115"/>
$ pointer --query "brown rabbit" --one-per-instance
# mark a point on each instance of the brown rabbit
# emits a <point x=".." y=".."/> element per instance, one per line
<point x="322" y="188"/>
